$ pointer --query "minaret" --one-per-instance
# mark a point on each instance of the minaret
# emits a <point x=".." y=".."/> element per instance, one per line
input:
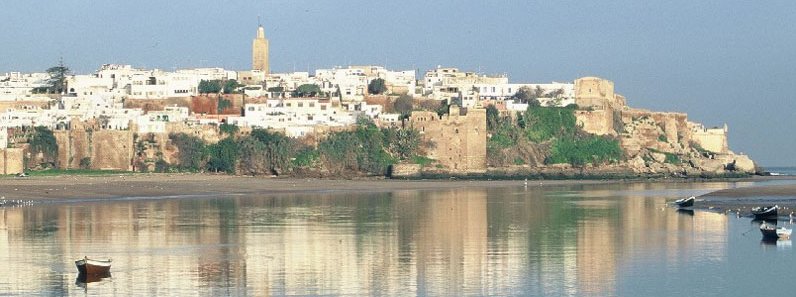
<point x="260" y="51"/>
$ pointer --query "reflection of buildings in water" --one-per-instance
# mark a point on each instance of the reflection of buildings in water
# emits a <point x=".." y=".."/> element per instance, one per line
<point x="455" y="242"/>
<point x="649" y="225"/>
<point x="452" y="242"/>
<point x="185" y="247"/>
<point x="18" y="273"/>
<point x="323" y="248"/>
<point x="445" y="251"/>
<point x="597" y="258"/>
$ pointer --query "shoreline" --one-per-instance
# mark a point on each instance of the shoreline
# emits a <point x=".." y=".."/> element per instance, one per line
<point x="158" y="185"/>
<point x="72" y="188"/>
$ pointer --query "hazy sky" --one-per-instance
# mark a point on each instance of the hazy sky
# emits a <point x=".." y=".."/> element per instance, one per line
<point x="718" y="61"/>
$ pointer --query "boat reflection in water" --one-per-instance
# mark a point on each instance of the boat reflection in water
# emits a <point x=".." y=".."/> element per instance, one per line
<point x="689" y="212"/>
<point x="780" y="244"/>
<point x="83" y="279"/>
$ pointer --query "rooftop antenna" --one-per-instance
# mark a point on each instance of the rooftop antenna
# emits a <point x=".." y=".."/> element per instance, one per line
<point x="258" y="21"/>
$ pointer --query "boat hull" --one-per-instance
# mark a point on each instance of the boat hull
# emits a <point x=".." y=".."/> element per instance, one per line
<point x="93" y="267"/>
<point x="773" y="233"/>
<point x="685" y="202"/>
<point x="765" y="212"/>
<point x="769" y="233"/>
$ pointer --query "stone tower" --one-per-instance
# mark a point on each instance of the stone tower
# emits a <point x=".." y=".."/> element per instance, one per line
<point x="260" y="51"/>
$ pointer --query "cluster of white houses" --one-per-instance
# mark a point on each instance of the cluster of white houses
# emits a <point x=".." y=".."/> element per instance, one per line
<point x="101" y="95"/>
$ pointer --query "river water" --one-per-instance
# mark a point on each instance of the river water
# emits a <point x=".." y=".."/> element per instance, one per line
<point x="575" y="240"/>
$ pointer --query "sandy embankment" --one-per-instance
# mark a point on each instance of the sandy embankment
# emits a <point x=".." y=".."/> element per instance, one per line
<point x="741" y="200"/>
<point x="165" y="185"/>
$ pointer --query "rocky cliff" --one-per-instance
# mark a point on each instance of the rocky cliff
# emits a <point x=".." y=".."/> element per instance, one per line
<point x="660" y="142"/>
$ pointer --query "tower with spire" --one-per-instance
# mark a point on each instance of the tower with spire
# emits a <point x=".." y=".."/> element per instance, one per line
<point x="260" y="51"/>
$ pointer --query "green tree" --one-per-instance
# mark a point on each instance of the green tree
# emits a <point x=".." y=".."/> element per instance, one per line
<point x="231" y="86"/>
<point x="161" y="166"/>
<point x="57" y="81"/>
<point x="404" y="105"/>
<point x="222" y="104"/>
<point x="274" y="154"/>
<point x="253" y="157"/>
<point x="492" y="117"/>
<point x="229" y="129"/>
<point x="192" y="151"/>
<point x="43" y="141"/>
<point x="377" y="86"/>
<point x="223" y="156"/>
<point x="443" y="109"/>
<point x="527" y="95"/>
<point x="209" y="86"/>
<point x="402" y="143"/>
<point x="307" y="90"/>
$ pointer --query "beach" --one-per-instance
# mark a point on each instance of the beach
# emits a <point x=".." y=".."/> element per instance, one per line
<point x="54" y="188"/>
<point x="151" y="186"/>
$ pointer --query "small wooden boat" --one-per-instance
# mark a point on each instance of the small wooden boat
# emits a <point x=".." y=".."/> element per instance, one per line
<point x="765" y="212"/>
<point x="772" y="232"/>
<point x="92" y="267"/>
<point x="685" y="202"/>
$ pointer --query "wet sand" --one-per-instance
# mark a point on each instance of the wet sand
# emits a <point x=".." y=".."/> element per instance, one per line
<point x="154" y="186"/>
<point x="54" y="188"/>
<point x="740" y="200"/>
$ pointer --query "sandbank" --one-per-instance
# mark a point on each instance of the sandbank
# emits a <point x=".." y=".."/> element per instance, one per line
<point x="54" y="188"/>
<point x="741" y="200"/>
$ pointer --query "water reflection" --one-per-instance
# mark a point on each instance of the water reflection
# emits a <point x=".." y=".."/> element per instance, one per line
<point x="585" y="240"/>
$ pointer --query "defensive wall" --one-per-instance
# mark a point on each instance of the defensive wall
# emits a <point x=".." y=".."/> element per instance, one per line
<point x="459" y="138"/>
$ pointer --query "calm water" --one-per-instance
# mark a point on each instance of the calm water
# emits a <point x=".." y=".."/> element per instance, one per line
<point x="781" y="170"/>
<point x="583" y="240"/>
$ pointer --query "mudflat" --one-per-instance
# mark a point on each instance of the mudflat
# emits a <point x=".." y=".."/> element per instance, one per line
<point x="165" y="185"/>
<point x="741" y="200"/>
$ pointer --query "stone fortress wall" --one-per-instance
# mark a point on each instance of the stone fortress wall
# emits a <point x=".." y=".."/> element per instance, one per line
<point x="459" y="137"/>
<point x="105" y="149"/>
<point x="12" y="161"/>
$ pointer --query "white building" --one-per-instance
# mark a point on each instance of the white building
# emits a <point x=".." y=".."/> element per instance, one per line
<point x="296" y="116"/>
<point x="16" y="86"/>
<point x="155" y="121"/>
<point x="352" y="83"/>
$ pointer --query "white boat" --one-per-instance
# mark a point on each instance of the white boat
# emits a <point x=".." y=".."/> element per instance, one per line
<point x="772" y="232"/>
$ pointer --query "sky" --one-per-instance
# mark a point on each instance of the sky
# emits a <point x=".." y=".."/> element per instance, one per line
<point x="718" y="61"/>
